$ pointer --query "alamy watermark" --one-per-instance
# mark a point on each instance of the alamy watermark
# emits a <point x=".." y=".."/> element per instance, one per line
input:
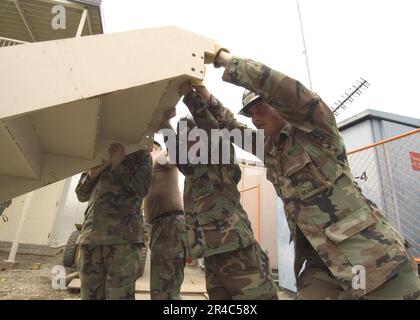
<point x="58" y="280"/>
<point x="59" y="20"/>
<point x="359" y="280"/>
<point x="197" y="146"/>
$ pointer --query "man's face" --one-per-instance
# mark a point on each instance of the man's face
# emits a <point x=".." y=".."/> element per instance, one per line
<point x="264" y="116"/>
<point x="155" y="152"/>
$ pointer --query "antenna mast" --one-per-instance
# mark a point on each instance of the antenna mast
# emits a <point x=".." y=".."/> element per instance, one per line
<point x="305" y="51"/>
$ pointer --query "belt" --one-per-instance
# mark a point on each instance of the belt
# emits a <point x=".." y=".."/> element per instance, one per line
<point x="167" y="214"/>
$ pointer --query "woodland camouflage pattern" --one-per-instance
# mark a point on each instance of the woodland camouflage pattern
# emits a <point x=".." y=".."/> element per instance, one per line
<point x="218" y="228"/>
<point x="115" y="197"/>
<point x="169" y="251"/>
<point x="308" y="167"/>
<point x="109" y="272"/>
<point x="112" y="234"/>
<point x="240" y="275"/>
<point x="215" y="220"/>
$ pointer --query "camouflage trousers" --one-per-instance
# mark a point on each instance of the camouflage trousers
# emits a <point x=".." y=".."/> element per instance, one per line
<point x="168" y="256"/>
<point x="243" y="274"/>
<point x="316" y="282"/>
<point x="109" y="272"/>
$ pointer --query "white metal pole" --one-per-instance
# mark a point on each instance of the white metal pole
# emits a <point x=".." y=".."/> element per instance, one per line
<point x="15" y="245"/>
<point x="24" y="20"/>
<point x="305" y="51"/>
<point x="392" y="187"/>
<point x="82" y="23"/>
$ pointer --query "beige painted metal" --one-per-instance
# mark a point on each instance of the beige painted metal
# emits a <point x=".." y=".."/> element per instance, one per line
<point x="64" y="102"/>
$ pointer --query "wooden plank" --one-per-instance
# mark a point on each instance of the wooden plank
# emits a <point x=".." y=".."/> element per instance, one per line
<point x="70" y="277"/>
<point x="142" y="296"/>
<point x="201" y="296"/>
<point x="74" y="284"/>
<point x="185" y="288"/>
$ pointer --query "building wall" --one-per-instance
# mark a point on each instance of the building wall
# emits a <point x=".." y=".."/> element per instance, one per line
<point x="392" y="129"/>
<point x="370" y="131"/>
<point x="38" y="226"/>
<point x="358" y="136"/>
<point x="259" y="200"/>
<point x="70" y="212"/>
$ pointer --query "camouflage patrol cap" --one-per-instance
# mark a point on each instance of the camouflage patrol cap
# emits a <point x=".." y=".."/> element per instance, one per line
<point x="249" y="99"/>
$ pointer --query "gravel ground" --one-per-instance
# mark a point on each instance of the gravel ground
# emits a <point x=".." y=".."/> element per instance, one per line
<point x="31" y="279"/>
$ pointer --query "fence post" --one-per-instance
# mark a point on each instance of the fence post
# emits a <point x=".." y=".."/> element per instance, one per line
<point x="16" y="240"/>
<point x="392" y="188"/>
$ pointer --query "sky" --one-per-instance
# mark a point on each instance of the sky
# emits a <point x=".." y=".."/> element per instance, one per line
<point x="377" y="40"/>
<point x="374" y="39"/>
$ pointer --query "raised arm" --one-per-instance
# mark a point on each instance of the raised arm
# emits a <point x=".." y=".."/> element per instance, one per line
<point x="135" y="172"/>
<point x="209" y="113"/>
<point x="298" y="105"/>
<point x="87" y="182"/>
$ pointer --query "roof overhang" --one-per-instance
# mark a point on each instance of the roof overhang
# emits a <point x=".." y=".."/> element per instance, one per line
<point x="32" y="20"/>
<point x="380" y="115"/>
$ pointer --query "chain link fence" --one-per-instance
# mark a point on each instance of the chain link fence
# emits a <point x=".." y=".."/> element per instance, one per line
<point x="389" y="174"/>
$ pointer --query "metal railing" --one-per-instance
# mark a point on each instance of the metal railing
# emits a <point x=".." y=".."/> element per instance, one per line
<point x="6" y="42"/>
<point x="389" y="174"/>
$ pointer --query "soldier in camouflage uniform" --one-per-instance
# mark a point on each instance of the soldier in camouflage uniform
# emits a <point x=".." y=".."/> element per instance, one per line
<point x="112" y="235"/>
<point x="165" y="212"/>
<point x="218" y="228"/>
<point x="336" y="230"/>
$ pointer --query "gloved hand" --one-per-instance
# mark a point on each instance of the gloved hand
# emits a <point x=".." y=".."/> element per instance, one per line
<point x="202" y="90"/>
<point x="211" y="58"/>
<point x="222" y="58"/>
<point x="185" y="88"/>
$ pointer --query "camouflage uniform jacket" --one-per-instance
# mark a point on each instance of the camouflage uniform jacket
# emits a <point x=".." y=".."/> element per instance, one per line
<point x="215" y="220"/>
<point x="308" y="167"/>
<point x="113" y="213"/>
